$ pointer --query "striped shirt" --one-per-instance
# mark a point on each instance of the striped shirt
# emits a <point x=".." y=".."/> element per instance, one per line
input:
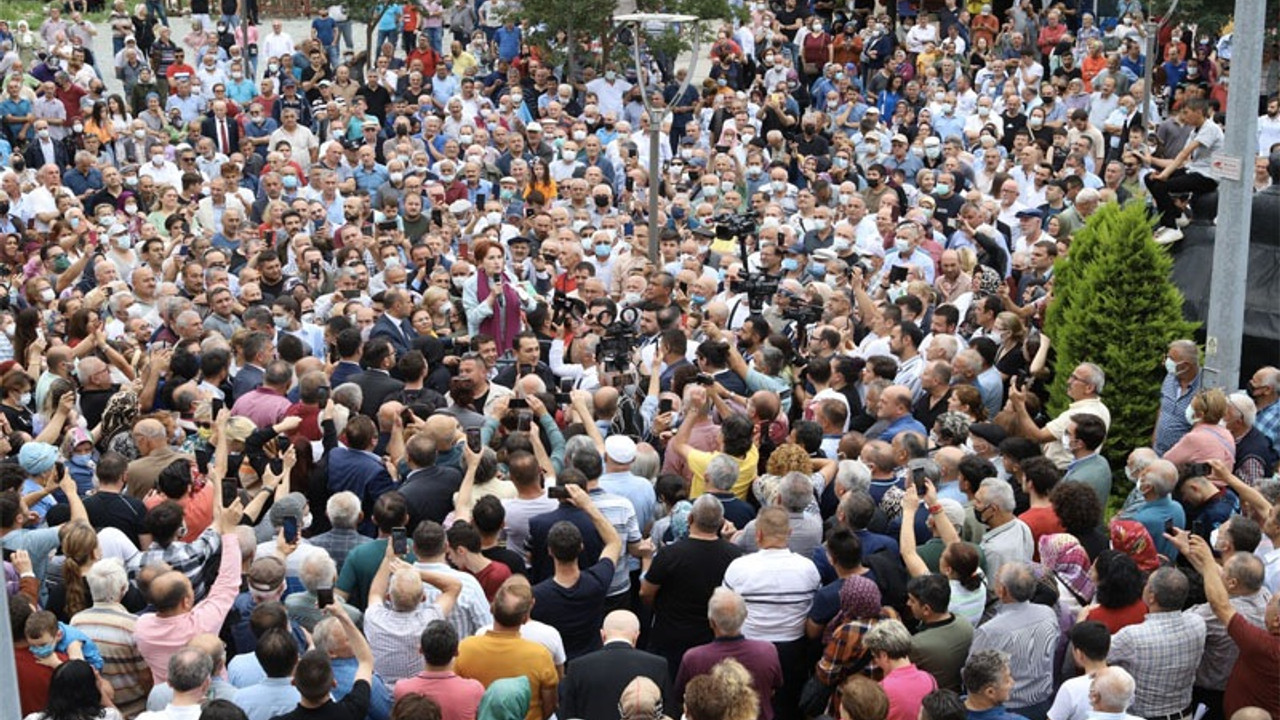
<point x="778" y="587"/>
<point x="1029" y="634"/>
<point x="621" y="514"/>
<point x="1268" y="423"/>
<point x="395" y="637"/>
<point x="471" y="612"/>
<point x="1162" y="654"/>
<point x="1174" y="400"/>
<point x="110" y="626"/>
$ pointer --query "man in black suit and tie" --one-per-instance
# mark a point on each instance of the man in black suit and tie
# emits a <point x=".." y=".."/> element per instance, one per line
<point x="394" y="323"/>
<point x="258" y="351"/>
<point x="376" y="382"/>
<point x="43" y="149"/>
<point x="222" y="130"/>
<point x="594" y="682"/>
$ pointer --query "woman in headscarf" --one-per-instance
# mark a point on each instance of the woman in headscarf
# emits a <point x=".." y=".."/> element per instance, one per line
<point x="113" y="434"/>
<point x="1131" y="538"/>
<point x="843" y="653"/>
<point x="1062" y="555"/>
<point x="505" y="699"/>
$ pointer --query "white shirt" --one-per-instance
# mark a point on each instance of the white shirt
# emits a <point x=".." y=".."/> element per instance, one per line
<point x="166" y="174"/>
<point x="39" y="201"/>
<point x="609" y="95"/>
<point x="273" y="45"/>
<point x="778" y="587"/>
<point x="1072" y="700"/>
<point x="1268" y="133"/>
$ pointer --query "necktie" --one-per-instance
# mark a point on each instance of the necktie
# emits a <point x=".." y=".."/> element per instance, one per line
<point x="225" y="139"/>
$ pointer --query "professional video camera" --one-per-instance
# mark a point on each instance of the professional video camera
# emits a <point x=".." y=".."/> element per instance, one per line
<point x="805" y="314"/>
<point x="735" y="225"/>
<point x="565" y="308"/>
<point x="619" y="340"/>
<point x="758" y="287"/>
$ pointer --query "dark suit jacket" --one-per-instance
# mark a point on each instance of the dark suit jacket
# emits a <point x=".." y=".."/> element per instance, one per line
<point x="378" y="387"/>
<point x="247" y="379"/>
<point x="210" y="130"/>
<point x="507" y="378"/>
<point x="386" y="327"/>
<point x="35" y="157"/>
<point x="428" y="493"/>
<point x="593" y="683"/>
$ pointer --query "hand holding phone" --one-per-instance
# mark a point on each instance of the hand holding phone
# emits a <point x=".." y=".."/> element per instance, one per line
<point x="399" y="541"/>
<point x="324" y="597"/>
<point x="290" y="529"/>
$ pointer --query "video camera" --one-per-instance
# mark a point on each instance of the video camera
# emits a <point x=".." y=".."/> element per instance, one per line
<point x="565" y="308"/>
<point x="619" y="340"/>
<point x="758" y="287"/>
<point x="735" y="225"/>
<point x="805" y="314"/>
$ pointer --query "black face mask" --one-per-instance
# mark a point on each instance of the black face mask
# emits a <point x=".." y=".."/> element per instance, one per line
<point x="602" y="201"/>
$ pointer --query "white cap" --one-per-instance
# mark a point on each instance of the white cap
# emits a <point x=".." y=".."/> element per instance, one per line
<point x="620" y="449"/>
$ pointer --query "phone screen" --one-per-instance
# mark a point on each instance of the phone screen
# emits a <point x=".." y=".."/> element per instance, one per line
<point x="523" y="422"/>
<point x="473" y="439"/>
<point x="399" y="541"/>
<point x="558" y="492"/>
<point x="664" y="405"/>
<point x="290" y="529"/>
<point x="324" y="597"/>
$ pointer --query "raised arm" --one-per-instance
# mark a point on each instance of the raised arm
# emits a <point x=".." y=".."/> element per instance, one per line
<point x="1197" y="551"/>
<point x="462" y="500"/>
<point x="378" y="588"/>
<point x="1248" y="495"/>
<point x="907" y="534"/>
<point x="612" y="541"/>
<point x="581" y="400"/>
<point x="449" y="586"/>
<point x="359" y="646"/>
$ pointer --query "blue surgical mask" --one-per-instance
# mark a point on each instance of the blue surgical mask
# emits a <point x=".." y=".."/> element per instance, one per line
<point x="790" y="265"/>
<point x="698" y="299"/>
<point x="42" y="651"/>
<point x="290" y="182"/>
<point x="817" y="269"/>
<point x="603" y="249"/>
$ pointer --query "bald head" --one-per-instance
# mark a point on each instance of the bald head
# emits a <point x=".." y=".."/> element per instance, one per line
<point x="148" y="435"/>
<point x="210" y="645"/>
<point x="442" y="430"/>
<point x="620" y="625"/>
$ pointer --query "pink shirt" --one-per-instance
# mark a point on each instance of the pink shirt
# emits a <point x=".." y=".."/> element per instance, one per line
<point x="264" y="406"/>
<point x="158" y="638"/>
<point x="458" y="697"/>
<point x="1204" y="443"/>
<point x="906" y="687"/>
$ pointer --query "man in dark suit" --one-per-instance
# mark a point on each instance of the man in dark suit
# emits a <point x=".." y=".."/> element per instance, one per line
<point x="43" y="150"/>
<point x="376" y="382"/>
<point x="528" y="352"/>
<point x="594" y="682"/>
<point x="258" y="351"/>
<point x="394" y="323"/>
<point x="428" y="488"/>
<point x="222" y="130"/>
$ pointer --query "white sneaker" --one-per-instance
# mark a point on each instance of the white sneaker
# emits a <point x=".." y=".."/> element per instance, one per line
<point x="1182" y="221"/>
<point x="1168" y="236"/>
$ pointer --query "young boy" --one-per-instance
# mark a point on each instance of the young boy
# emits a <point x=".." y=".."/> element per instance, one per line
<point x="45" y="636"/>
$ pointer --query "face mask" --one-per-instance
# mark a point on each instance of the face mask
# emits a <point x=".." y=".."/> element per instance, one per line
<point x="1170" y="366"/>
<point x="568" y="156"/>
<point x="942" y="188"/>
<point x="840" y="163"/>
<point x="459" y="280"/>
<point x="710" y="190"/>
<point x="123" y="242"/>
<point x="947" y="108"/>
<point x="631" y="298"/>
<point x="902" y="246"/>
<point x="819" y="225"/>
<point x="281" y="321"/>
<point x="932" y="152"/>
<point x="983" y="111"/>
<point x="917" y="151"/>
<point x="778" y="185"/>
<point x="157" y="160"/>
<point x="42" y="651"/>
<point x="60" y="265"/>
<point x="507" y="195"/>
<point x="517" y="98"/>
<point x="754" y="171"/>
<point x="603" y="249"/>
<point x="1190" y="415"/>
<point x="610" y="76"/>
<point x="494" y="218"/>
<point x="25" y="399"/>
<point x="290" y="182"/>
<point x="1035" y="122"/>
<point x="577" y="226"/>
<point x="790" y="265"/>
<point x="678" y="212"/>
<point x="816" y="269"/>
<point x="77" y="127"/>
<point x="769" y="222"/>
<point x="273" y="68"/>
<point x="43" y="133"/>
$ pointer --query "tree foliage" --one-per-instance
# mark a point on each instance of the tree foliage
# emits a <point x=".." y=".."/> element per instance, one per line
<point x="1211" y="15"/>
<point x="1114" y="305"/>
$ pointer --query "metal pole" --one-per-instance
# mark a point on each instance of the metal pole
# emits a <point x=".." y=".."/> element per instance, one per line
<point x="655" y="179"/>
<point x="1148" y="74"/>
<point x="9" y="706"/>
<point x="1234" y="170"/>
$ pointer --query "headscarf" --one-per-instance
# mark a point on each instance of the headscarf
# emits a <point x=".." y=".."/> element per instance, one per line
<point x="121" y="411"/>
<point x="506" y="699"/>
<point x="1131" y="538"/>
<point x="989" y="282"/>
<point x="1062" y="554"/>
<point x="37" y="458"/>
<point x="679" y="527"/>
<point x="859" y="598"/>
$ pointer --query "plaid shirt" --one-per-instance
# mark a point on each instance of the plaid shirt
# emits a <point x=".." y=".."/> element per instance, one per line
<point x="1268" y="423"/>
<point x="338" y="542"/>
<point x="197" y="560"/>
<point x="1162" y="654"/>
<point x="844" y="654"/>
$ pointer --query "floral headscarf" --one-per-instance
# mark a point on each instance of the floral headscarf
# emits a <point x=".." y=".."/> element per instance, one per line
<point x="859" y="598"/>
<point x="1131" y="538"/>
<point x="1062" y="554"/>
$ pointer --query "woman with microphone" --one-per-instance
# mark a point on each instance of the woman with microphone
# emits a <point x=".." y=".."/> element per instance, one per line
<point x="491" y="299"/>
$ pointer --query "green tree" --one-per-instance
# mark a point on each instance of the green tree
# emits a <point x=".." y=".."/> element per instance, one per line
<point x="1114" y="305"/>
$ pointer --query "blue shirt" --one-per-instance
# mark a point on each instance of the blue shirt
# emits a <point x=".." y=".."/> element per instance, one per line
<point x="508" y="42"/>
<point x="18" y="108"/>
<point x="370" y="179"/>
<point x="1152" y="515"/>
<point x="1174" y="401"/>
<point x="344" y="676"/>
<point x="906" y="423"/>
<point x="81" y="183"/>
<point x="325" y="30"/>
<point x="390" y="20"/>
<point x="636" y="489"/>
<point x="190" y="107"/>
<point x="269" y="698"/>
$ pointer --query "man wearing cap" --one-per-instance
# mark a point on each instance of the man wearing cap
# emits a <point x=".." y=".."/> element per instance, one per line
<point x="1030" y="229"/>
<point x="619" y="453"/>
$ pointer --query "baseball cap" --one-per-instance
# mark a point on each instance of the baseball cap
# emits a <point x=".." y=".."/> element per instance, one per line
<point x="266" y="574"/>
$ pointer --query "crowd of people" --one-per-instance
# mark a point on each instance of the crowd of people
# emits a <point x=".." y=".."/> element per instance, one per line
<point x="344" y="385"/>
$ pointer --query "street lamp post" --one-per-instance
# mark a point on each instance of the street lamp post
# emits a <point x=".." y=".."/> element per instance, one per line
<point x="638" y="22"/>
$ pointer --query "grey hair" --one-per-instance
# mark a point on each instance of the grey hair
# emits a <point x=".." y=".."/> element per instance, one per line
<point x="890" y="637"/>
<point x="1244" y="405"/>
<point x="113" y="302"/>
<point x="107" y="580"/>
<point x="189" y="669"/>
<point x="707" y="513"/>
<point x="327" y="633"/>
<point x="795" y="492"/>
<point x="722" y="473"/>
<point x="954" y="512"/>
<point x="1094" y="375"/>
<point x="343" y="509"/>
<point x="1187" y="348"/>
<point x="772" y="359"/>
<point x="349" y="394"/>
<point x="984" y="669"/>
<point x="576" y="445"/>
<point x="853" y="475"/>
<point x="647" y="463"/>
<point x="1017" y="579"/>
<point x="1161" y="476"/>
<point x="317" y="571"/>
<point x="949" y="345"/>
<point x="727" y="610"/>
<point x="1115" y="688"/>
<point x="405" y="590"/>
<point x="999" y="493"/>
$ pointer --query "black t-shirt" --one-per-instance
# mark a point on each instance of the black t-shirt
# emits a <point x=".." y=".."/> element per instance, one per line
<point x="107" y="510"/>
<point x="687" y="572"/>
<point x="94" y="402"/>
<point x="510" y="558"/>
<point x="354" y="706"/>
<point x="578" y="611"/>
<point x="19" y="418"/>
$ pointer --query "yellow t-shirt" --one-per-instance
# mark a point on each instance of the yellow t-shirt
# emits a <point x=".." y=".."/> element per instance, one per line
<point x="698" y="460"/>
<point x="499" y="654"/>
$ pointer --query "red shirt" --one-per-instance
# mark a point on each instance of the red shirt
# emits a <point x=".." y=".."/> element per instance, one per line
<point x="33" y="680"/>
<point x="492" y="577"/>
<point x="70" y="99"/>
<point x="310" y="427"/>
<point x="1042" y="521"/>
<point x="1118" y="618"/>
<point x="1256" y="677"/>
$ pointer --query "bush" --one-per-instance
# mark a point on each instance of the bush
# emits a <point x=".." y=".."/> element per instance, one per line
<point x="1114" y="305"/>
